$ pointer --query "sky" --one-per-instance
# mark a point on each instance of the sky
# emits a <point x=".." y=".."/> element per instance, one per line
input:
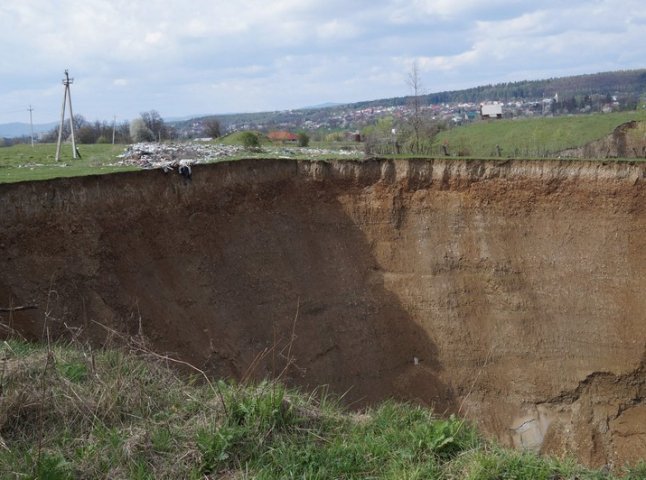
<point x="192" y="57"/>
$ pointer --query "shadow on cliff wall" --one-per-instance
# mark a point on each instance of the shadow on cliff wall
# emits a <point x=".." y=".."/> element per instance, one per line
<point x="240" y="281"/>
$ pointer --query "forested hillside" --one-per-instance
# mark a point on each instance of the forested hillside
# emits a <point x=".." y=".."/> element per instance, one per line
<point x="623" y="83"/>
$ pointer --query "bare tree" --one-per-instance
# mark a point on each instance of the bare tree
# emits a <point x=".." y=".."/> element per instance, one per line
<point x="212" y="128"/>
<point x="155" y="124"/>
<point x="415" y="103"/>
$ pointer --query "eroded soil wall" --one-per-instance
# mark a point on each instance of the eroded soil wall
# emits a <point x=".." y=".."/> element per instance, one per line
<point x="511" y="292"/>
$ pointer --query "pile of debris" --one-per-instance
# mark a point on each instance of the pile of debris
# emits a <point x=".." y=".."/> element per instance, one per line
<point x="309" y="152"/>
<point x="172" y="155"/>
<point x="158" y="155"/>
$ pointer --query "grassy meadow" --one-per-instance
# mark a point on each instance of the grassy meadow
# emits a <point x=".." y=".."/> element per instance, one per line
<point x="531" y="137"/>
<point x="68" y="411"/>
<point x="24" y="162"/>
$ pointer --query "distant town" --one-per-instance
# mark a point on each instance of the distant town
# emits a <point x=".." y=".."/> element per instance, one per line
<point x="584" y="94"/>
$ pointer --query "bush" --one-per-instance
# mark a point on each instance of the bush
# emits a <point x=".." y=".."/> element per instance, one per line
<point x="303" y="139"/>
<point x="250" y="140"/>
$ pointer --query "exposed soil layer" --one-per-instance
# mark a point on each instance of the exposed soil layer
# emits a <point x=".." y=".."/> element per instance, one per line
<point x="511" y="292"/>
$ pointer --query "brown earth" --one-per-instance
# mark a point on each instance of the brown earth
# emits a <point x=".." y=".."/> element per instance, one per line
<point x="511" y="292"/>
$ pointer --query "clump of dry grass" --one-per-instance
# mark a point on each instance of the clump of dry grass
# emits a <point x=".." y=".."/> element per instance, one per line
<point x="64" y="395"/>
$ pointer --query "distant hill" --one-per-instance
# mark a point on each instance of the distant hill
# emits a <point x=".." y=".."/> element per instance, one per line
<point x="321" y="105"/>
<point x="624" y="83"/>
<point x="17" y="129"/>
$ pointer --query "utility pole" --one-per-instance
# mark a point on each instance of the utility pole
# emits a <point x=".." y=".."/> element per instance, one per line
<point x="67" y="98"/>
<point x="31" y="125"/>
<point x="114" y="127"/>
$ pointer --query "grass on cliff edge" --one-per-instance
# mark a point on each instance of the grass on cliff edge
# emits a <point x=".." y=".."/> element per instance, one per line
<point x="76" y="413"/>
<point x="20" y="163"/>
<point x="24" y="162"/>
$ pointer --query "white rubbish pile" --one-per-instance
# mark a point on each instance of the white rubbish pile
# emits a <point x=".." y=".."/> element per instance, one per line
<point x="158" y="155"/>
<point x="171" y="155"/>
<point x="310" y="152"/>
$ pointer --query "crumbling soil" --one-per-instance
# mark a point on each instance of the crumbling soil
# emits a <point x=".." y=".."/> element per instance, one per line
<point x="628" y="140"/>
<point x="510" y="292"/>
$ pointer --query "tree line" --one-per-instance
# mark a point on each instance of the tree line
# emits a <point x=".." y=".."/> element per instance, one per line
<point x="91" y="132"/>
<point x="148" y="127"/>
<point x="628" y="86"/>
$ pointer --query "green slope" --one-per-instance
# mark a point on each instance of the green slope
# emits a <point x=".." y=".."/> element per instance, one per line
<point x="532" y="137"/>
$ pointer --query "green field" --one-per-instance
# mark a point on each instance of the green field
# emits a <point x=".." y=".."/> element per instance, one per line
<point x="531" y="137"/>
<point x="74" y="412"/>
<point x="24" y="162"/>
<point x="522" y="138"/>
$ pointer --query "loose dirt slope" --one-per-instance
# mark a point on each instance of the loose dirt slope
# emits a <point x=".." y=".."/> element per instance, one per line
<point x="628" y="140"/>
<point x="512" y="292"/>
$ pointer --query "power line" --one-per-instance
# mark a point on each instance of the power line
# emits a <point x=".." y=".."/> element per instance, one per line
<point x="67" y="98"/>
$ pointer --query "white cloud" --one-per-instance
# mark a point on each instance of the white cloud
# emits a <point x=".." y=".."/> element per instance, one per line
<point x="415" y="11"/>
<point x="129" y="54"/>
<point x="153" y="38"/>
<point x="337" y="30"/>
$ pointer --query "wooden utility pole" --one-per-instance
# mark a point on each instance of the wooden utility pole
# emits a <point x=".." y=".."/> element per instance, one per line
<point x="114" y="127"/>
<point x="31" y="125"/>
<point x="67" y="98"/>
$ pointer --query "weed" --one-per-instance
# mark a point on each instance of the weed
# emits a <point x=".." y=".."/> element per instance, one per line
<point x="638" y="472"/>
<point x="162" y="440"/>
<point x="262" y="408"/>
<point x="17" y="348"/>
<point x="216" y="447"/>
<point x="141" y="471"/>
<point x="497" y="463"/>
<point x="52" y="466"/>
<point x="74" y="371"/>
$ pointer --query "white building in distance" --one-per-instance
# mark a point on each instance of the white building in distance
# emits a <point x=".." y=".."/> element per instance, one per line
<point x="491" y="110"/>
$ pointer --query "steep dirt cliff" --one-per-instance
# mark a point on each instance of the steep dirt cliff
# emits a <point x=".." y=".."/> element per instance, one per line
<point x="511" y="292"/>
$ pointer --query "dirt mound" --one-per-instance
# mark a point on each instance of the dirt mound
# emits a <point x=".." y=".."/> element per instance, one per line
<point x="511" y="291"/>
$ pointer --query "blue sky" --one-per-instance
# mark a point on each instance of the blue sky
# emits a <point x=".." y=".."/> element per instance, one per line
<point x="212" y="56"/>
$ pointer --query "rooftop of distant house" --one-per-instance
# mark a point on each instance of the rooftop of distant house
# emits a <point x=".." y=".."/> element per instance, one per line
<point x="282" y="136"/>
